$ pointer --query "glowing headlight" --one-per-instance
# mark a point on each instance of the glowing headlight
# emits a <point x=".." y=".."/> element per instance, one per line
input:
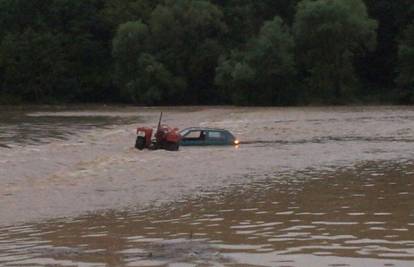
<point x="237" y="142"/>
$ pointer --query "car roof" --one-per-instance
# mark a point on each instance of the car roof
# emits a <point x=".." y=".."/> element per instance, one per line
<point x="204" y="129"/>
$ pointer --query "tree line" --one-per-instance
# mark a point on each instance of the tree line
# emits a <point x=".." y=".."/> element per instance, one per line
<point x="243" y="52"/>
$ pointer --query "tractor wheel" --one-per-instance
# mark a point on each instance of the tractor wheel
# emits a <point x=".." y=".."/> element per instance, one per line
<point x="140" y="143"/>
<point x="172" y="146"/>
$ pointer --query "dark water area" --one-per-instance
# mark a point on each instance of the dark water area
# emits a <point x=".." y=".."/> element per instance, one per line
<point x="307" y="187"/>
<point x="360" y="216"/>
<point x="41" y="126"/>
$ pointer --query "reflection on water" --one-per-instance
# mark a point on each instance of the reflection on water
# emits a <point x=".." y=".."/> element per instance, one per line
<point x="361" y="216"/>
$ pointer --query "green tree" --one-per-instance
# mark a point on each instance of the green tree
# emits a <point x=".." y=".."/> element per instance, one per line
<point x="141" y="77"/>
<point x="34" y="65"/>
<point x="154" y="84"/>
<point x="263" y="72"/>
<point x="377" y="69"/>
<point x="131" y="40"/>
<point x="185" y="38"/>
<point x="246" y="17"/>
<point x="406" y="65"/>
<point x="181" y="38"/>
<point x="235" y="77"/>
<point x="117" y="12"/>
<point x="54" y="50"/>
<point x="329" y="35"/>
<point x="60" y="50"/>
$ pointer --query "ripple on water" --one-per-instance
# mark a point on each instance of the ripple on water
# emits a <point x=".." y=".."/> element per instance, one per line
<point x="301" y="223"/>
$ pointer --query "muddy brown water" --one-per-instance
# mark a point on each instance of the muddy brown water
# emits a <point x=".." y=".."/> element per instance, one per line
<point x="309" y="187"/>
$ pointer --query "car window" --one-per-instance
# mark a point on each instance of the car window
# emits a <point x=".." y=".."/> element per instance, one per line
<point x="193" y="135"/>
<point x="184" y="132"/>
<point x="216" y="135"/>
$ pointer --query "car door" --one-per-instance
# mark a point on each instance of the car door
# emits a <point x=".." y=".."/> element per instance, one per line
<point x="216" y="138"/>
<point x="194" y="138"/>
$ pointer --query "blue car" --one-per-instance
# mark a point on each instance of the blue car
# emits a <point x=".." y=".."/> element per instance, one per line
<point x="207" y="137"/>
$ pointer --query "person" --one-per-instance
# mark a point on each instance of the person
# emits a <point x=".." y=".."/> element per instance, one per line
<point x="202" y="135"/>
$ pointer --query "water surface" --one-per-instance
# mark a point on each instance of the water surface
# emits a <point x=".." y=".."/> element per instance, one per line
<point x="361" y="216"/>
<point x="309" y="187"/>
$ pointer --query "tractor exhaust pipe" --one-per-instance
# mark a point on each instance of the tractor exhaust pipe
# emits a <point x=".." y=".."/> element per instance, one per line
<point x="159" y="123"/>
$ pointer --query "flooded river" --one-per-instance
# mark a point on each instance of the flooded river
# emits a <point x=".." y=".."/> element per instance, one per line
<point x="307" y="187"/>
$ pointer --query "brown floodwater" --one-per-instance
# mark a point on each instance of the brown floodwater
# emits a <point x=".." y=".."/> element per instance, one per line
<point x="309" y="187"/>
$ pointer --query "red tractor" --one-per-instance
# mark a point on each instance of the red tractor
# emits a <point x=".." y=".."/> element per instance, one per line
<point x="165" y="138"/>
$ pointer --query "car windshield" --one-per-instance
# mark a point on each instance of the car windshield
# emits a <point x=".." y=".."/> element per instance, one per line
<point x="184" y="132"/>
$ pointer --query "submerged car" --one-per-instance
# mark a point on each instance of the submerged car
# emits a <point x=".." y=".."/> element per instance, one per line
<point x="207" y="137"/>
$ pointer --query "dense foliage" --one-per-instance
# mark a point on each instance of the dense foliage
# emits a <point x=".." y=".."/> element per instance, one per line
<point x="247" y="52"/>
<point x="329" y="34"/>
<point x="263" y="71"/>
<point x="406" y="60"/>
